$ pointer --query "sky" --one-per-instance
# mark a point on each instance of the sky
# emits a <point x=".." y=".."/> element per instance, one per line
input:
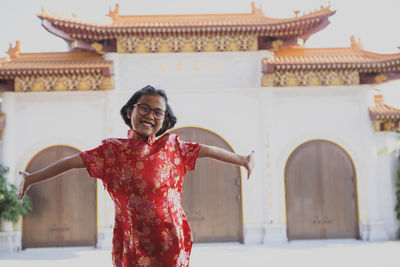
<point x="374" y="22"/>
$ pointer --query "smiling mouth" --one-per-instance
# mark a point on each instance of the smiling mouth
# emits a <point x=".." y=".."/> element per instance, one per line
<point x="147" y="124"/>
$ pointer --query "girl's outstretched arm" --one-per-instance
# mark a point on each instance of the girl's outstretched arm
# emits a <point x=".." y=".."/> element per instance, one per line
<point x="53" y="170"/>
<point x="220" y="154"/>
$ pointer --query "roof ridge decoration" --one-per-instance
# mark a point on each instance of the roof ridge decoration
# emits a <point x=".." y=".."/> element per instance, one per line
<point x="57" y="71"/>
<point x="136" y="34"/>
<point x="13" y="52"/>
<point x="384" y="117"/>
<point x="329" y="66"/>
<point x="356" y="45"/>
<point x="114" y="14"/>
<point x="256" y="11"/>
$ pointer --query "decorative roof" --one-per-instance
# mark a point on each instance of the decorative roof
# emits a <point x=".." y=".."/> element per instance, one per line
<point x="256" y="17"/>
<point x="382" y="111"/>
<point x="372" y="67"/>
<point x="2" y="122"/>
<point x="80" y="62"/>
<point x="285" y="31"/>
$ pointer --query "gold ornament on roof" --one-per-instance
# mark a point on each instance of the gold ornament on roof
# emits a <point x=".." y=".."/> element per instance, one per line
<point x="98" y="47"/>
<point x="114" y="14"/>
<point x="276" y="44"/>
<point x="255" y="10"/>
<point x="380" y="78"/>
<point x="355" y="44"/>
<point x="13" y="52"/>
<point x="43" y="12"/>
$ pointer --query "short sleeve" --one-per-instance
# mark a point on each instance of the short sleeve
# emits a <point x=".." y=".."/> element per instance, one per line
<point x="188" y="153"/>
<point x="99" y="159"/>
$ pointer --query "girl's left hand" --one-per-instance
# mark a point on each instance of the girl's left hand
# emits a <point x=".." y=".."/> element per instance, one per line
<point x="249" y="165"/>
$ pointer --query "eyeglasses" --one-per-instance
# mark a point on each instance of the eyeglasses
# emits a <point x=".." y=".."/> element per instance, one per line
<point x="144" y="110"/>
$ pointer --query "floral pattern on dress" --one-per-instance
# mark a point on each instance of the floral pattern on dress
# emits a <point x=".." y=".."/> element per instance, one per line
<point x="145" y="180"/>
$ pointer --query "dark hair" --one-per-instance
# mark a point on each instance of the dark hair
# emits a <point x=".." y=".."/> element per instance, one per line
<point x="169" y="120"/>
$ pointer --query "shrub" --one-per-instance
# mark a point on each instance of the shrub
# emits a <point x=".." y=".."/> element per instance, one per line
<point x="11" y="207"/>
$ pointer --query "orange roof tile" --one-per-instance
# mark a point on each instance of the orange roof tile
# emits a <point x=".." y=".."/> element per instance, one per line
<point x="382" y="111"/>
<point x="253" y="23"/>
<point x="299" y="58"/>
<point x="353" y="57"/>
<point x="257" y="17"/>
<point x="189" y="20"/>
<point x="54" y="63"/>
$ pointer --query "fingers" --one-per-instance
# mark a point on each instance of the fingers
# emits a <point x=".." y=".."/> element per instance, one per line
<point x="250" y="164"/>
<point x="21" y="194"/>
<point x="22" y="185"/>
<point x="21" y="191"/>
<point x="249" y="172"/>
<point x="23" y="173"/>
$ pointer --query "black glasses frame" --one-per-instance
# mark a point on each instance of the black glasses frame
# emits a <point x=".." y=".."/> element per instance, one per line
<point x="155" y="111"/>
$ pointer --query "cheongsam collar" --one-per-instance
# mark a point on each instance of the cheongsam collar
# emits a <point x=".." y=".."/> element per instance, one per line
<point x="132" y="134"/>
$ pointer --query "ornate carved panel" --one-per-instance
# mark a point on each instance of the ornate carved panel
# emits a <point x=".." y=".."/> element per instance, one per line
<point x="63" y="83"/>
<point x="387" y="125"/>
<point x="94" y="81"/>
<point x="153" y="44"/>
<point x="245" y="42"/>
<point x="25" y="83"/>
<point x="176" y="43"/>
<point x="216" y="43"/>
<point x="49" y="82"/>
<point x="221" y="43"/>
<point x="199" y="43"/>
<point x="72" y="82"/>
<point x="130" y="44"/>
<point x="310" y="78"/>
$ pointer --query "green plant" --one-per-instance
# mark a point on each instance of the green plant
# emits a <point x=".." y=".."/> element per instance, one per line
<point x="11" y="208"/>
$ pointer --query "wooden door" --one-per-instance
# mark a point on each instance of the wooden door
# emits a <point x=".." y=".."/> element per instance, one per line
<point x="212" y="193"/>
<point x="64" y="208"/>
<point x="321" y="198"/>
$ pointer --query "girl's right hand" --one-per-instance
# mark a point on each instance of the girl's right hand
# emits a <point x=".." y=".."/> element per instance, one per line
<point x="24" y="184"/>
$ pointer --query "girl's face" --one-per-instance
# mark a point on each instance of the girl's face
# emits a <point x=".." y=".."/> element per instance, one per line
<point x="148" y="124"/>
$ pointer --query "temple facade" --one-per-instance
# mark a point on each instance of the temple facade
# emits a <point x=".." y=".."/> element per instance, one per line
<point x="237" y="81"/>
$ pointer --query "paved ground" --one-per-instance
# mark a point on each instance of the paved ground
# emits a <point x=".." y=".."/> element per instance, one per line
<point x="332" y="253"/>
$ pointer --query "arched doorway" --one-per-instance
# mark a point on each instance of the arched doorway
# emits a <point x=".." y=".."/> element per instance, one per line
<point x="212" y="193"/>
<point x="321" y="194"/>
<point x="64" y="208"/>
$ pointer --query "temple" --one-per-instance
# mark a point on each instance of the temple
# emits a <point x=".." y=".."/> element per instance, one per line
<point x="186" y="33"/>
<point x="238" y="81"/>
<point x="300" y="66"/>
<point x="54" y="71"/>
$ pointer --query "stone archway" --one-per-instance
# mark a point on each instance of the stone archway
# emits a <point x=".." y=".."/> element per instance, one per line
<point x="321" y="192"/>
<point x="212" y="193"/>
<point x="64" y="208"/>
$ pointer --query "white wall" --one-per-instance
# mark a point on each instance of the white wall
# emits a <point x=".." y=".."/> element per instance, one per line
<point x="216" y="91"/>
<point x="338" y="114"/>
<point x="188" y="71"/>
<point x="220" y="92"/>
<point x="39" y="120"/>
<point x="387" y="167"/>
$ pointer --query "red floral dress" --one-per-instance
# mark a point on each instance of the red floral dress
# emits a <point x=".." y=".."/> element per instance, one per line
<point x="145" y="181"/>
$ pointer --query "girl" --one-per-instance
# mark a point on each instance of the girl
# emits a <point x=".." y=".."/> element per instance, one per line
<point x="144" y="177"/>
